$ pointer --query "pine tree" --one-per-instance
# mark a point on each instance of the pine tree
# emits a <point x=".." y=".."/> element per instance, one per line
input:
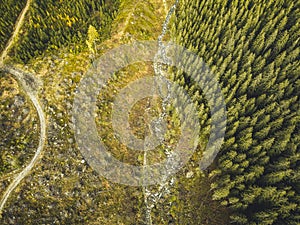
<point x="93" y="37"/>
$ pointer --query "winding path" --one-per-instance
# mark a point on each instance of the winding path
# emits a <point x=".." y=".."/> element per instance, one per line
<point x="31" y="94"/>
<point x="21" y="76"/>
<point x="18" y="26"/>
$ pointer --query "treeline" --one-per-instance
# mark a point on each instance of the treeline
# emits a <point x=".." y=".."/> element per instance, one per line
<point x="252" y="47"/>
<point x="10" y="10"/>
<point x="53" y="24"/>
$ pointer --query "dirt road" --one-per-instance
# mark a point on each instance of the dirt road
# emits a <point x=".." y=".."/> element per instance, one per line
<point x="32" y="95"/>
<point x="16" y="31"/>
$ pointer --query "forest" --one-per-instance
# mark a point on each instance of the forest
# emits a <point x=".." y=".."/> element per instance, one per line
<point x="9" y="13"/>
<point x="56" y="24"/>
<point x="251" y="47"/>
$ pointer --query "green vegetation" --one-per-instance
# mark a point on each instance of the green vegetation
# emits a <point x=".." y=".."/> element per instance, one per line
<point x="253" y="49"/>
<point x="10" y="10"/>
<point x="138" y="20"/>
<point x="93" y="36"/>
<point x="18" y="126"/>
<point x="56" y="24"/>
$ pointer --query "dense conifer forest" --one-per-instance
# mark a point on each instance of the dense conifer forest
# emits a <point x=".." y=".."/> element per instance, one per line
<point x="9" y="10"/>
<point x="253" y="48"/>
<point x="57" y="24"/>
